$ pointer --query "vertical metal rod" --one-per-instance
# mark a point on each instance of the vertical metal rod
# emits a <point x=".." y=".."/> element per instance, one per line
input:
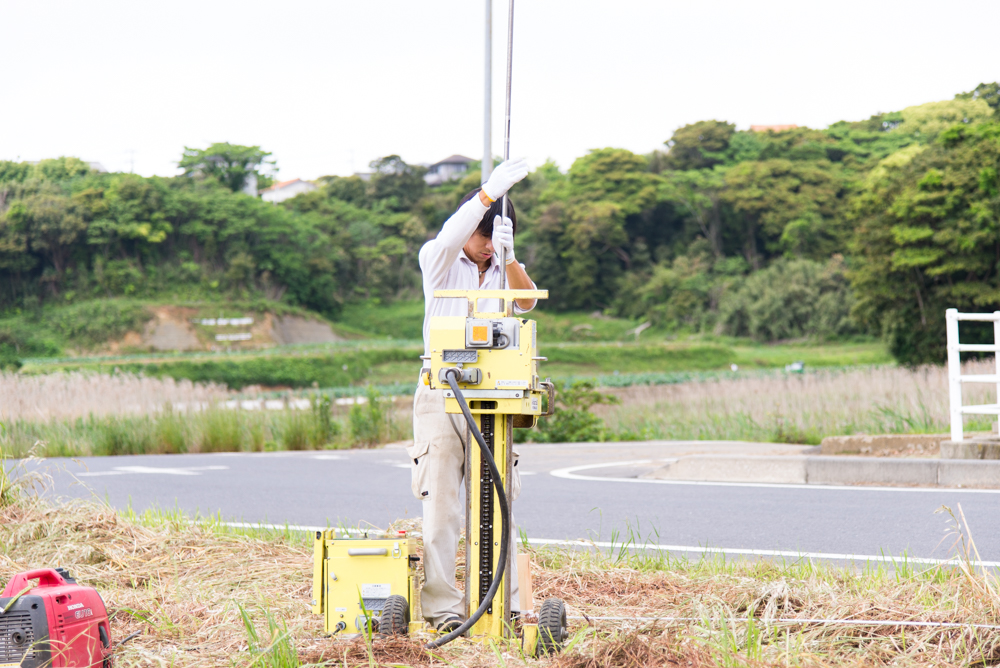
<point x="506" y="131"/>
<point x="487" y="166"/>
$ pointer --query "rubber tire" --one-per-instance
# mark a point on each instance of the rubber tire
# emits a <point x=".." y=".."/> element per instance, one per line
<point x="395" y="618"/>
<point x="552" y="626"/>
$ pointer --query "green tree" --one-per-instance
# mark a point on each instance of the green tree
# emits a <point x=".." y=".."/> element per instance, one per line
<point x="231" y="164"/>
<point x="787" y="206"/>
<point x="927" y="238"/>
<point x="580" y="237"/>
<point x="698" y="195"/>
<point x="700" y="145"/>
<point x="396" y="184"/>
<point x="988" y="93"/>
<point x="790" y="299"/>
<point x="51" y="224"/>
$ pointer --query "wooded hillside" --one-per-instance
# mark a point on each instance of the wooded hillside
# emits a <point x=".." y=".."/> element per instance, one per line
<point x="868" y="227"/>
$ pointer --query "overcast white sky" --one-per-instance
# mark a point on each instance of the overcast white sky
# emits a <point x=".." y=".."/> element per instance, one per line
<point x="329" y="86"/>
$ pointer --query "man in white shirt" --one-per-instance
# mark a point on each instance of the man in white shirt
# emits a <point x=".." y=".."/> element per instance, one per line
<point x="465" y="255"/>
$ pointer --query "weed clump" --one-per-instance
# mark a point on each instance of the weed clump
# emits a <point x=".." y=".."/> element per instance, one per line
<point x="573" y="421"/>
<point x="370" y="419"/>
<point x="221" y="432"/>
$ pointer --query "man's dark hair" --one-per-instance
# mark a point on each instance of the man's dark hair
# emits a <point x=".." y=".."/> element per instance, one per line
<point x="486" y="224"/>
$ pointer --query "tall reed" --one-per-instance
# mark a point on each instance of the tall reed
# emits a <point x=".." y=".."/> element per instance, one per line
<point x="795" y="408"/>
<point x="72" y="395"/>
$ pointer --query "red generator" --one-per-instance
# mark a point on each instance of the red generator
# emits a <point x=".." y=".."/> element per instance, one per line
<point x="55" y="624"/>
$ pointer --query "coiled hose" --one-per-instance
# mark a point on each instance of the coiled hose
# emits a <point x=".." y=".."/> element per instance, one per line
<point x="504" y="518"/>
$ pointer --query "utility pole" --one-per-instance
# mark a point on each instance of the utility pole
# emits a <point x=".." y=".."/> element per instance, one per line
<point x="487" y="167"/>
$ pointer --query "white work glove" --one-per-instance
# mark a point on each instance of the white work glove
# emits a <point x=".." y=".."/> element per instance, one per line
<point x="504" y="176"/>
<point x="503" y="238"/>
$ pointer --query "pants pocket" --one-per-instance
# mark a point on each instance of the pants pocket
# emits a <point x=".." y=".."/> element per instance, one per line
<point x="419" y="465"/>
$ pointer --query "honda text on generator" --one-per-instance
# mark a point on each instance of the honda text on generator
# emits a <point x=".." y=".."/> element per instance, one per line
<point x="487" y="366"/>
<point x="56" y="624"/>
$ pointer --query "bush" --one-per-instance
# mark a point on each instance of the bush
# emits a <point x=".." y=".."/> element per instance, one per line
<point x="171" y="433"/>
<point x="790" y="299"/>
<point x="116" y="435"/>
<point x="221" y="431"/>
<point x="573" y="422"/>
<point x="326" y="428"/>
<point x="96" y="322"/>
<point x="18" y="342"/>
<point x="298" y="432"/>
<point x="324" y="370"/>
<point x="369" y="421"/>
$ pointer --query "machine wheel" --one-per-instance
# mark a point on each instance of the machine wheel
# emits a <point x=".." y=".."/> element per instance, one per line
<point x="395" y="619"/>
<point x="551" y="626"/>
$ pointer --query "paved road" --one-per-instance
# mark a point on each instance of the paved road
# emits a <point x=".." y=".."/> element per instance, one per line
<point x="560" y="498"/>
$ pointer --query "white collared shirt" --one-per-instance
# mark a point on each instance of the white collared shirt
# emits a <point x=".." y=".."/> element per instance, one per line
<point x="445" y="266"/>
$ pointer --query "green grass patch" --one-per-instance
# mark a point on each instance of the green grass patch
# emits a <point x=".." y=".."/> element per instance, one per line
<point x="581" y="359"/>
<point x="405" y="320"/>
<point x="215" y="429"/>
<point x="812" y="354"/>
<point x="398" y="320"/>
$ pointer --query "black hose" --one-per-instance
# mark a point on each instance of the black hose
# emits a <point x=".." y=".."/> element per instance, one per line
<point x="504" y="519"/>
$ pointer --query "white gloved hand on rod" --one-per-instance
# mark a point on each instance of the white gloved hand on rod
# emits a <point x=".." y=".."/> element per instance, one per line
<point x="505" y="175"/>
<point x="503" y="238"/>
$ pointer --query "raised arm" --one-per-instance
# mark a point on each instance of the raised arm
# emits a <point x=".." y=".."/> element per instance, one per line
<point x="438" y="255"/>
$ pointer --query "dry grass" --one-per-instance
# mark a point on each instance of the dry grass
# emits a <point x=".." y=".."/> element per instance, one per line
<point x="796" y="408"/>
<point x="186" y="584"/>
<point x="73" y="395"/>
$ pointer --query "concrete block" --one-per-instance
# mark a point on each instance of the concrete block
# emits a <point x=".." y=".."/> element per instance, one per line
<point x="729" y="468"/>
<point x="863" y="443"/>
<point x="844" y="470"/>
<point x="970" y="449"/>
<point x="968" y="473"/>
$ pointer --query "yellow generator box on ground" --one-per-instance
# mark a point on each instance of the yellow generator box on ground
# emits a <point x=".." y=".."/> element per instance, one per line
<point x="354" y="577"/>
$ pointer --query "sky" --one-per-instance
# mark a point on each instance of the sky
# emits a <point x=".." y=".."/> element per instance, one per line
<point x="328" y="86"/>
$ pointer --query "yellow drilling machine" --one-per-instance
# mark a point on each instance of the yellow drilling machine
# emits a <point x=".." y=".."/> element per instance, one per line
<point x="487" y="366"/>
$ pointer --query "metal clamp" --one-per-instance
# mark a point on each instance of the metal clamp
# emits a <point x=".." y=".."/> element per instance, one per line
<point x="473" y="376"/>
<point x="550" y="389"/>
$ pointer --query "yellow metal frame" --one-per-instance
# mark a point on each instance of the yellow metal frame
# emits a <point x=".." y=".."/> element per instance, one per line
<point x="510" y="376"/>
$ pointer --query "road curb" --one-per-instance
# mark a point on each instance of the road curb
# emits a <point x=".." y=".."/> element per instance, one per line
<point x="832" y="470"/>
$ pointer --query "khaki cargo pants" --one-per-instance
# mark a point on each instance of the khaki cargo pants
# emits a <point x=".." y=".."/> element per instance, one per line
<point x="437" y="461"/>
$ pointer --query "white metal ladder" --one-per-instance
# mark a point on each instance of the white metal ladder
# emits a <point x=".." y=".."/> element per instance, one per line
<point x="955" y="377"/>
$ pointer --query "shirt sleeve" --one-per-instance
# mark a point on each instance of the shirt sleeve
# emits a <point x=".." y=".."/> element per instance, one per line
<point x="517" y="309"/>
<point x="439" y="254"/>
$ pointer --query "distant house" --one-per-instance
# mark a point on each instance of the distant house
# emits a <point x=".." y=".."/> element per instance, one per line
<point x="771" y="128"/>
<point x="279" y="192"/>
<point x="454" y="167"/>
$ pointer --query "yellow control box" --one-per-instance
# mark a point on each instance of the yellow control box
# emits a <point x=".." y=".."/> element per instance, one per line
<point x="498" y="354"/>
<point x="353" y="577"/>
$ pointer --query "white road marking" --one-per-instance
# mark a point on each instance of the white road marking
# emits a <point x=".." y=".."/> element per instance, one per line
<point x="881" y="558"/>
<point x="328" y="457"/>
<point x="126" y="470"/>
<point x="570" y="473"/>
